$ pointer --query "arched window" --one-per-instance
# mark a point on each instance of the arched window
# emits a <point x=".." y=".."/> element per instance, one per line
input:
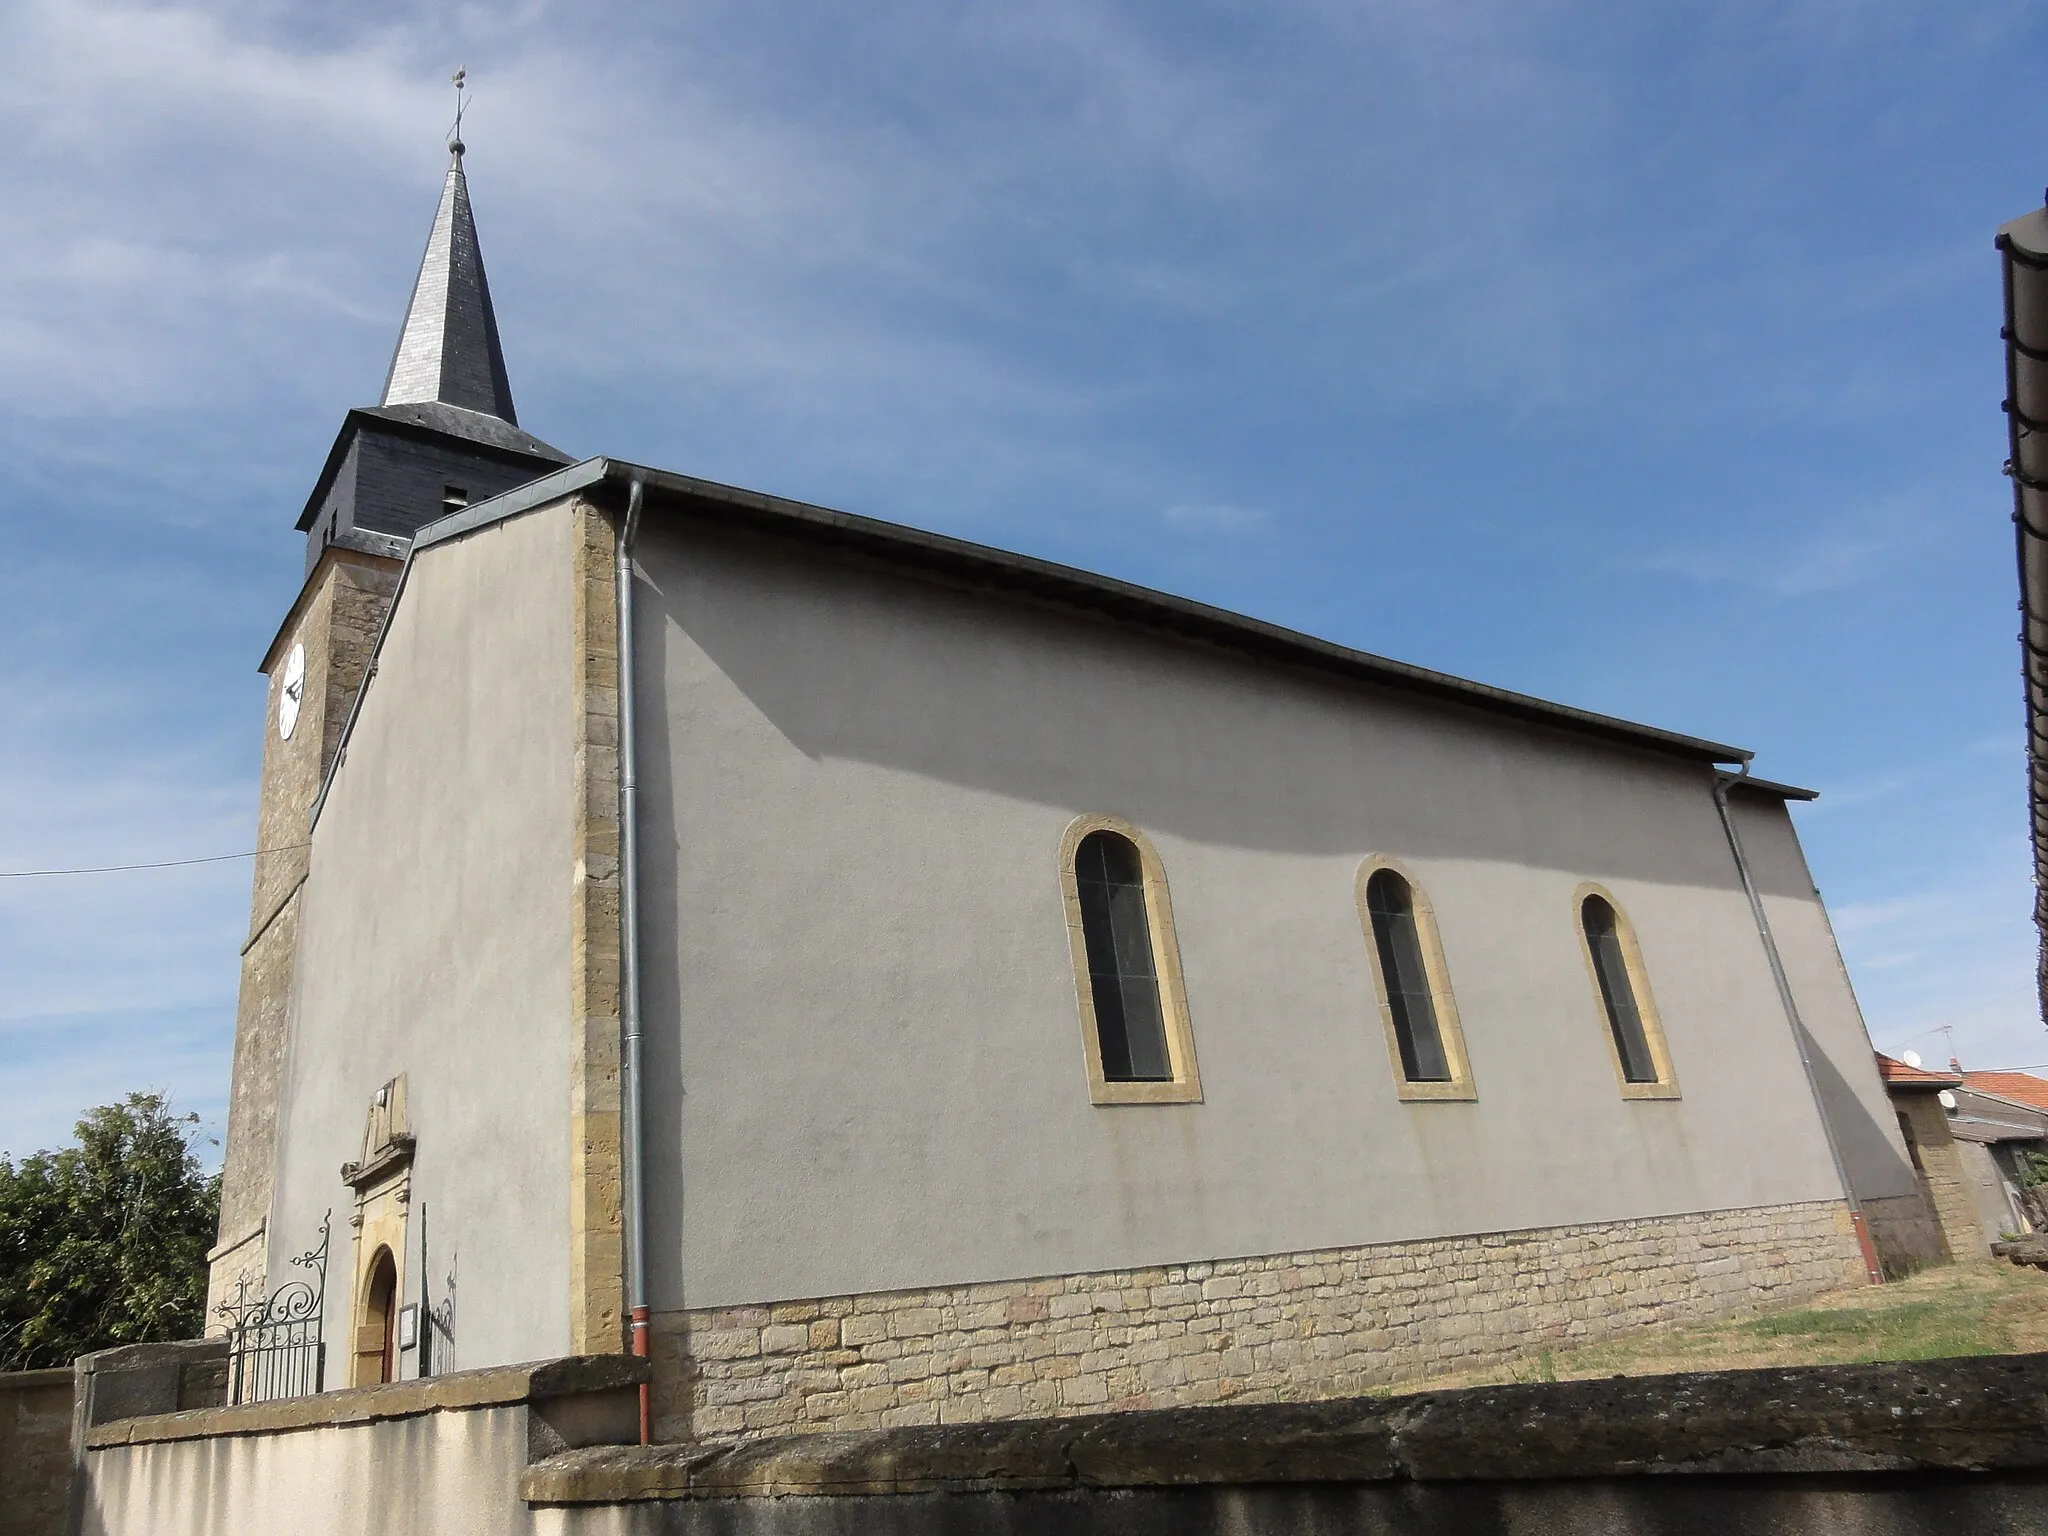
<point x="1640" y="1058"/>
<point x="1424" y="1043"/>
<point x="1126" y="967"/>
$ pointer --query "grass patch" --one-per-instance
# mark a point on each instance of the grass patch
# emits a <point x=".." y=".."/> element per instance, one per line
<point x="1958" y="1309"/>
<point x="1930" y="1329"/>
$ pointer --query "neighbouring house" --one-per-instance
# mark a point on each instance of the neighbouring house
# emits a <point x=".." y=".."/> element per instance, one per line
<point x="1998" y="1120"/>
<point x="925" y="983"/>
<point x="1919" y="1100"/>
<point x="1968" y="1134"/>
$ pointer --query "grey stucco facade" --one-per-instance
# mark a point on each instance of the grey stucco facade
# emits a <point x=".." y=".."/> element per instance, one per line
<point x="434" y="943"/>
<point x="865" y="1068"/>
<point x="862" y="1011"/>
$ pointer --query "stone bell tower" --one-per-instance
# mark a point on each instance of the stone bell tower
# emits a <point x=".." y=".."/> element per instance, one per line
<point x="443" y="435"/>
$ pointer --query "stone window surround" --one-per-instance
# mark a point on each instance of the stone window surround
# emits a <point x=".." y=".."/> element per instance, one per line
<point x="1665" y="1085"/>
<point x="1185" y="1086"/>
<point x="1460" y="1087"/>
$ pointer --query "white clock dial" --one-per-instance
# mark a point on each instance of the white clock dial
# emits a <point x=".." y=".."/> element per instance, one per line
<point x="293" y="692"/>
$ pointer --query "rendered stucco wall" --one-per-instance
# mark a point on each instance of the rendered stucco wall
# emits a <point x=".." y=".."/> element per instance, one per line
<point x="865" y="1064"/>
<point x="444" y="1474"/>
<point x="434" y="941"/>
<point x="1864" y="1118"/>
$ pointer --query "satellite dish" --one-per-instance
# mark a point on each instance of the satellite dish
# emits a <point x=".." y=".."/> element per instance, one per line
<point x="1911" y="1059"/>
<point x="1948" y="1100"/>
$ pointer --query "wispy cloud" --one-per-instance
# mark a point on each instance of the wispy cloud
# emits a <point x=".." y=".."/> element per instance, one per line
<point x="1215" y="518"/>
<point x="1047" y="274"/>
<point x="1786" y="558"/>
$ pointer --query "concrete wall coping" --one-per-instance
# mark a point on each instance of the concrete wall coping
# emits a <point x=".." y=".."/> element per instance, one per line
<point x="1975" y="1414"/>
<point x="35" y="1381"/>
<point x="497" y="1387"/>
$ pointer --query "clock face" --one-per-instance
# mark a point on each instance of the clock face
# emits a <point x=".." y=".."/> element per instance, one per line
<point x="294" y="692"/>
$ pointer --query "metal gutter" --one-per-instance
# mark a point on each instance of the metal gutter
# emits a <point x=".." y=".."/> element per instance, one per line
<point x="1774" y="789"/>
<point x="2023" y="247"/>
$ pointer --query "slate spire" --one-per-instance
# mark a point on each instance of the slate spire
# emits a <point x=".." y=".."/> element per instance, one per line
<point x="449" y="351"/>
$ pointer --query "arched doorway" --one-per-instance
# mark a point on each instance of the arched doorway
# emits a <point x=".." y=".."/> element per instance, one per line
<point x="376" y="1322"/>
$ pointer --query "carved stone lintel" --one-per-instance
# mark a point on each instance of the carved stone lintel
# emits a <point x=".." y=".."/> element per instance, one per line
<point x="395" y="1157"/>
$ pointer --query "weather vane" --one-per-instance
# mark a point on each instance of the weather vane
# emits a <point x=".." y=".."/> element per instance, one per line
<point x="455" y="133"/>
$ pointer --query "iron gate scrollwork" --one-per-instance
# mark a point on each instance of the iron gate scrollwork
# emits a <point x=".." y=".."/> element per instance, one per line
<point x="275" y="1345"/>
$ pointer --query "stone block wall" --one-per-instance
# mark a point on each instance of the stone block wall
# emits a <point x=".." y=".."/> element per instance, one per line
<point x="1941" y="1165"/>
<point x="337" y="618"/>
<point x="1275" y="1328"/>
<point x="35" y="1451"/>
<point x="1906" y="1232"/>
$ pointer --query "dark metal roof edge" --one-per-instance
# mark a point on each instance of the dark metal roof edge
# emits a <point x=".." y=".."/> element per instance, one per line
<point x="1124" y="599"/>
<point x="553" y="486"/>
<point x="1772" y="787"/>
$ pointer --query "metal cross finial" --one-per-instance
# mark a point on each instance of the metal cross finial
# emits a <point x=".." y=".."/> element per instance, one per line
<point x="455" y="144"/>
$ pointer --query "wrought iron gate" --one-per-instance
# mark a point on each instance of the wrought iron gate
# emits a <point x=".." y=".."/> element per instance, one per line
<point x="275" y="1346"/>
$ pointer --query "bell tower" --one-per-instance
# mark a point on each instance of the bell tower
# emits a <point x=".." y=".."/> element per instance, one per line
<point x="443" y="435"/>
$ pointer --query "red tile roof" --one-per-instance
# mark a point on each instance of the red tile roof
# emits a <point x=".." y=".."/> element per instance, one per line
<point x="1897" y="1074"/>
<point x="2020" y="1087"/>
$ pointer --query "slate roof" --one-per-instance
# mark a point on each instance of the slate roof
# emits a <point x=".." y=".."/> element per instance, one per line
<point x="448" y="350"/>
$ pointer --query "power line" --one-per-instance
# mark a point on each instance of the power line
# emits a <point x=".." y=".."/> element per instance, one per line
<point x="115" y="869"/>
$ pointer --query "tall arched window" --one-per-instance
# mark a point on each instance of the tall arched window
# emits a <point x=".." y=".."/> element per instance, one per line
<point x="1130" y="1025"/>
<point x="1126" y="966"/>
<point x="1640" y="1058"/>
<point x="1424" y="1042"/>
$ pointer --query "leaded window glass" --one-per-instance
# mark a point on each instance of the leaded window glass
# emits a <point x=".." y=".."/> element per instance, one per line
<point x="1391" y="902"/>
<point x="1123" y="975"/>
<point x="1617" y="991"/>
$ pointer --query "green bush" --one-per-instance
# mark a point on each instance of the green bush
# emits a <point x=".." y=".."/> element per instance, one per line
<point x="105" y="1242"/>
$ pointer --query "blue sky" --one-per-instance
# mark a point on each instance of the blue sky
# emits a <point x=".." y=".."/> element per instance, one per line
<point x="1641" y="357"/>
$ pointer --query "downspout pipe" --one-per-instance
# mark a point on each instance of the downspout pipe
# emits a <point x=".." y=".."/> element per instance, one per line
<point x="632" y="1075"/>
<point x="1873" y="1272"/>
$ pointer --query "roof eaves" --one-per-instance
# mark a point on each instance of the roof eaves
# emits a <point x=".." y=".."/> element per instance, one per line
<point x="1773" y="787"/>
<point x="2002" y="1098"/>
<point x="1128" y="601"/>
<point x="1048" y="579"/>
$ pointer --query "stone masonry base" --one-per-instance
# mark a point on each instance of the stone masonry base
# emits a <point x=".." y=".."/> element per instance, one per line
<point x="1278" y="1328"/>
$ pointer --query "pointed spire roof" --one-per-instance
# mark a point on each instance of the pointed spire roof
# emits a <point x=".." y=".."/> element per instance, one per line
<point x="448" y="352"/>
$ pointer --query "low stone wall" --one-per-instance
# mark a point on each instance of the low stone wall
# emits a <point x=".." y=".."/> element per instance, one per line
<point x="1284" y="1327"/>
<point x="35" y="1451"/>
<point x="543" y="1450"/>
<point x="411" y="1458"/>
<point x="1933" y="1447"/>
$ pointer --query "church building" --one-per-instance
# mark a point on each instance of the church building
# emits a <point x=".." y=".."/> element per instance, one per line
<point x="891" y="980"/>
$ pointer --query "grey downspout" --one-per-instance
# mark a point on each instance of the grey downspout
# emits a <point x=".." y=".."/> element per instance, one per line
<point x="629" y="955"/>
<point x="1873" y="1272"/>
